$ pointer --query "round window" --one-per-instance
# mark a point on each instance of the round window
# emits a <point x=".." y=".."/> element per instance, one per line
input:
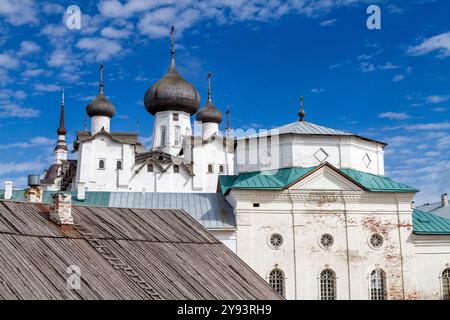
<point x="326" y="240"/>
<point x="276" y="240"/>
<point x="376" y="241"/>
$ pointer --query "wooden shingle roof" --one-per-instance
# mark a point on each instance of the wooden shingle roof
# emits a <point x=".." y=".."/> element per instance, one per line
<point x="121" y="253"/>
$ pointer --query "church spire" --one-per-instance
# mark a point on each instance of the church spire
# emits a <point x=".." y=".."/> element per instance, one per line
<point x="62" y="130"/>
<point x="172" y="48"/>
<point x="209" y="86"/>
<point x="101" y="78"/>
<point x="301" y="112"/>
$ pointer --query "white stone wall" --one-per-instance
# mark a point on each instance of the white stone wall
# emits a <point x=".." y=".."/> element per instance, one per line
<point x="306" y="212"/>
<point x="293" y="150"/>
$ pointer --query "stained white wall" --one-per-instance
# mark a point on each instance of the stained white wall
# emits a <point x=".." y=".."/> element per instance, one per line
<point x="306" y="212"/>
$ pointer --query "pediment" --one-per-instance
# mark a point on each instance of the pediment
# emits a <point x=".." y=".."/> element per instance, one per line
<point x="325" y="178"/>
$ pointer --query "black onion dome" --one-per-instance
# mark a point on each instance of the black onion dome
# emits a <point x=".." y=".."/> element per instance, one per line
<point x="173" y="93"/>
<point x="100" y="106"/>
<point x="209" y="113"/>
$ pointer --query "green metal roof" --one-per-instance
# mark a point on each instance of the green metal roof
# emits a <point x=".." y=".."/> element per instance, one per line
<point x="282" y="178"/>
<point x="428" y="223"/>
<point x="99" y="199"/>
<point x="377" y="183"/>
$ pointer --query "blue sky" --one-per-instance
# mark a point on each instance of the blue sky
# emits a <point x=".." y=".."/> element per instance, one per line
<point x="391" y="84"/>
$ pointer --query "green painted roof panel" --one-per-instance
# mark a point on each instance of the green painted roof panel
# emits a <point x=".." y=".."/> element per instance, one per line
<point x="428" y="223"/>
<point x="281" y="178"/>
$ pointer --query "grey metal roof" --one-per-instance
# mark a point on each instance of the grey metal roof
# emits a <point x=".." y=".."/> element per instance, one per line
<point x="306" y="128"/>
<point x="210" y="209"/>
<point x="437" y="209"/>
<point x="121" y="253"/>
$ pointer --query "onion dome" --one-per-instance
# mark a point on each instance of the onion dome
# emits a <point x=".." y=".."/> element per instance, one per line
<point x="101" y="106"/>
<point x="61" y="129"/>
<point x="172" y="92"/>
<point x="209" y="113"/>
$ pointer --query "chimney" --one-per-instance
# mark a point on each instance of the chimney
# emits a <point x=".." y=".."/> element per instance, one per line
<point x="34" y="192"/>
<point x="8" y="190"/>
<point x="81" y="191"/>
<point x="61" y="209"/>
<point x="444" y="200"/>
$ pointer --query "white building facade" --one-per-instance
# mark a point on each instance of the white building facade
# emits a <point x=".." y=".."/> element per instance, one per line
<point x="312" y="211"/>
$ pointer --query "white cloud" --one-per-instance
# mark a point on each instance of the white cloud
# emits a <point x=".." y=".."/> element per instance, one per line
<point x="111" y="32"/>
<point x="6" y="94"/>
<point x="26" y="166"/>
<point x="388" y="66"/>
<point x="100" y="49"/>
<point x="328" y="23"/>
<point x="18" y="12"/>
<point x="437" y="98"/>
<point x="439" y="43"/>
<point x="394" y="115"/>
<point x="34" y="142"/>
<point x="28" y="47"/>
<point x="429" y="126"/>
<point x="393" y="9"/>
<point x="52" y="8"/>
<point x="7" y="61"/>
<point x="366" y="67"/>
<point x="317" y="90"/>
<point x="439" y="109"/>
<point x="30" y="73"/>
<point x="398" y="77"/>
<point x="47" y="87"/>
<point x="12" y="110"/>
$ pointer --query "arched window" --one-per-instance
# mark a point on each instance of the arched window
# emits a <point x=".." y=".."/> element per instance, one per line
<point x="378" y="289"/>
<point x="177" y="135"/>
<point x="327" y="285"/>
<point x="149" y="167"/>
<point x="221" y="169"/>
<point x="176" y="168"/>
<point x="445" y="278"/>
<point x="101" y="164"/>
<point x="276" y="281"/>
<point x="119" y="165"/>
<point x="163" y="137"/>
<point x="210" y="168"/>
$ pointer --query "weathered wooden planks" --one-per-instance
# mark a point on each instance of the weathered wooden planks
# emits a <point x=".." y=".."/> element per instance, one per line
<point x="165" y="248"/>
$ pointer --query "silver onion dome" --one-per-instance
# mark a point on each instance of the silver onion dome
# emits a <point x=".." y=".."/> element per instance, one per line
<point x="209" y="113"/>
<point x="172" y="92"/>
<point x="101" y="106"/>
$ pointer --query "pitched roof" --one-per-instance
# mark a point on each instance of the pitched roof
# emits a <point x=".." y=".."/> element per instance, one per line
<point x="282" y="178"/>
<point x="428" y="223"/>
<point x="437" y="209"/>
<point x="122" y="137"/>
<point x="307" y="128"/>
<point x="121" y="253"/>
<point x="209" y="209"/>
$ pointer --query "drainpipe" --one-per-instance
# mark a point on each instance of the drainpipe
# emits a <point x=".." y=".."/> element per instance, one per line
<point x="401" y="250"/>
<point x="348" y="249"/>
<point x="293" y="240"/>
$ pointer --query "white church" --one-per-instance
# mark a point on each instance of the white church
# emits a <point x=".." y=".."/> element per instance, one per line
<point x="307" y="207"/>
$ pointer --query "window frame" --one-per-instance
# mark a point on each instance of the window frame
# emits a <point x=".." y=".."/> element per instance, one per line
<point x="119" y="165"/>
<point x="163" y="136"/>
<point x="326" y="284"/>
<point x="176" y="168"/>
<point x="152" y="166"/>
<point x="377" y="284"/>
<point x="101" y="164"/>
<point x="210" y="165"/>
<point x="277" y="281"/>
<point x="445" y="283"/>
